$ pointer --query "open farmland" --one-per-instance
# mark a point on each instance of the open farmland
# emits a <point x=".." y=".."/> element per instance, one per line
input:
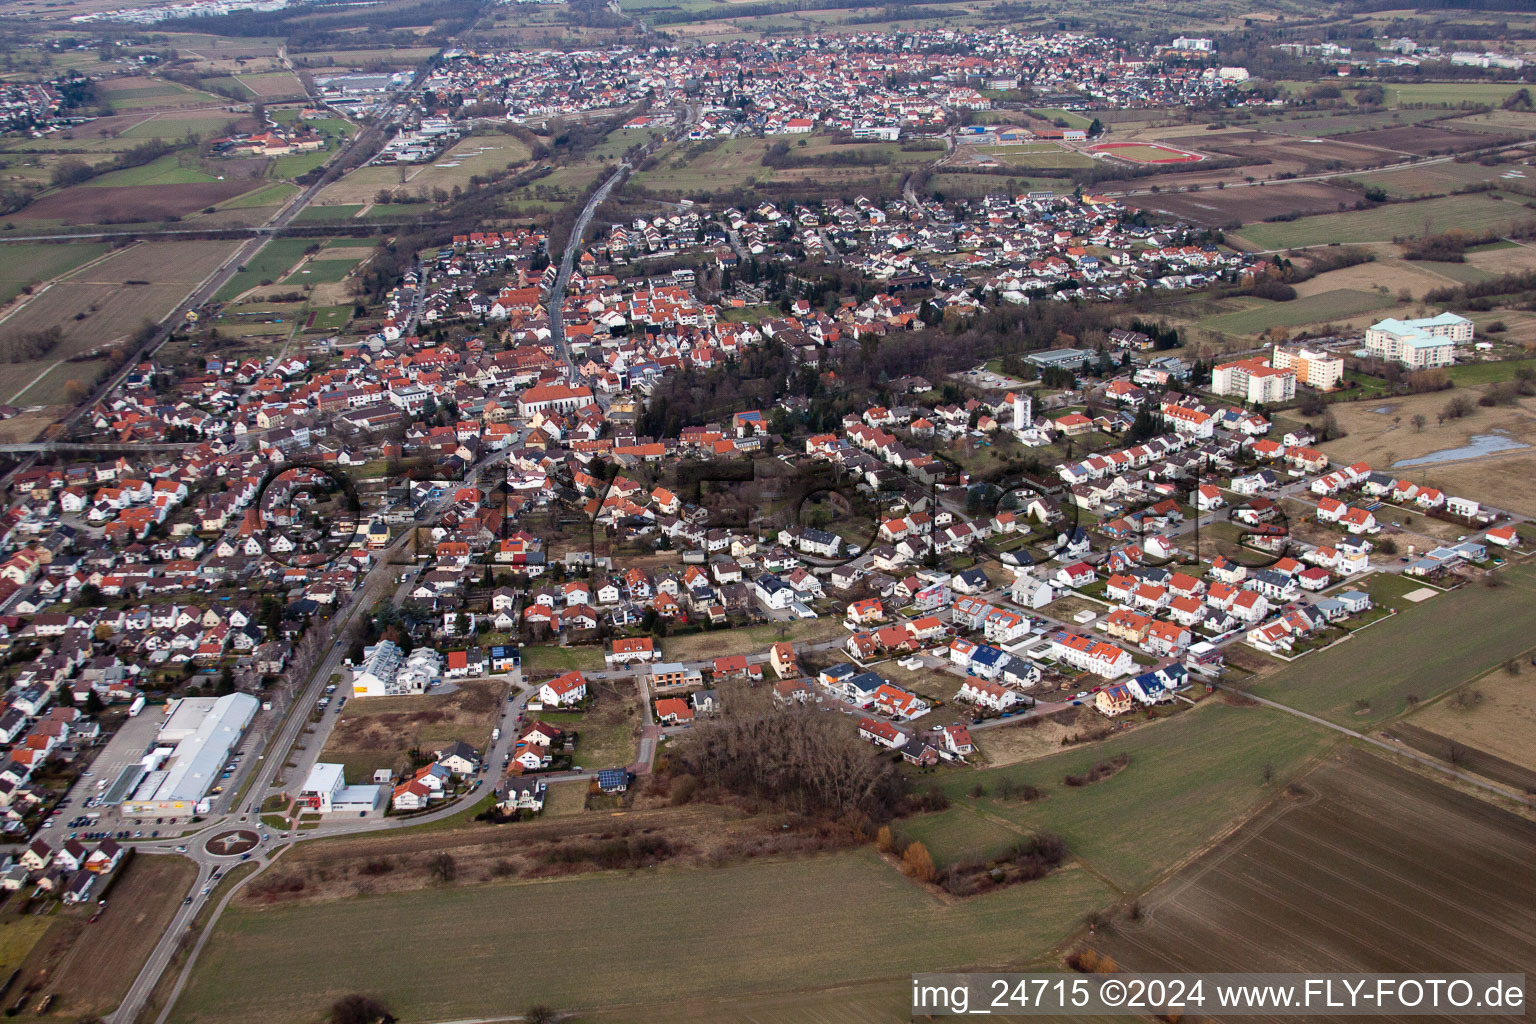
<point x="133" y="204"/>
<point x="1221" y="207"/>
<point x="143" y="93"/>
<point x="1422" y="651"/>
<point x="273" y="85"/>
<point x="275" y="260"/>
<point x="96" y="306"/>
<point x="815" y="922"/>
<point x="90" y="966"/>
<point x="1477" y="212"/>
<point x="380" y="732"/>
<point x="1202" y="770"/>
<point x="1495" y="714"/>
<point x="1451" y="94"/>
<point x="34" y="263"/>
<point x="1330" y="305"/>
<point x="1371" y="869"/>
<point x="167" y="170"/>
<point x="724" y="165"/>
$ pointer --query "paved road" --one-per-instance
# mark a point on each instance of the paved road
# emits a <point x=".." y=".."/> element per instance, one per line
<point x="556" y="301"/>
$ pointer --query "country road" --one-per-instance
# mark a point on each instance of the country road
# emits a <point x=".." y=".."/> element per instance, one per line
<point x="556" y="300"/>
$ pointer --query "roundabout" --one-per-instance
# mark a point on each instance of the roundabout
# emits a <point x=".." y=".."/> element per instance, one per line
<point x="232" y="843"/>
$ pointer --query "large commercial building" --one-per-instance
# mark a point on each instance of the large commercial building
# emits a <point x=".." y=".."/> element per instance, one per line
<point x="188" y="755"/>
<point x="1255" y="381"/>
<point x="1314" y="367"/>
<point x="1421" y="344"/>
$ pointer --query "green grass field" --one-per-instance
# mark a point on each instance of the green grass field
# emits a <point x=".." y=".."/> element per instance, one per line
<point x="1489" y="373"/>
<point x="959" y="834"/>
<point x="158" y="93"/>
<point x="1332" y="305"/>
<point x="270" y="264"/>
<point x="1424" y="651"/>
<point x="295" y="164"/>
<point x="1476" y="212"/>
<point x="166" y="170"/>
<point x="1451" y="94"/>
<point x="275" y="194"/>
<point x="29" y="263"/>
<point x="320" y="272"/>
<point x="176" y="127"/>
<point x="1188" y="777"/>
<point x="787" y="925"/>
<point x="562" y="659"/>
<point x="330" y="318"/>
<point x="1073" y="118"/>
<point x="1034" y="155"/>
<point x="312" y="214"/>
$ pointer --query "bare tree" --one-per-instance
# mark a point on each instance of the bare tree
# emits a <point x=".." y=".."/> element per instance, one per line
<point x="443" y="867"/>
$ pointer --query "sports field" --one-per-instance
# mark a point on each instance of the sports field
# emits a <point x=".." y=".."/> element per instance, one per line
<point x="788" y="925"/>
<point x="1146" y="153"/>
<point x="1478" y="212"/>
<point x="1423" y="651"/>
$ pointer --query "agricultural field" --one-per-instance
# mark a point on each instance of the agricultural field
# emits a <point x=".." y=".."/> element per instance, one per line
<point x="90" y="966"/>
<point x="1224" y="207"/>
<point x="807" y="932"/>
<point x="1202" y="769"/>
<point x="1492" y="714"/>
<point x="1450" y="94"/>
<point x="1477" y="212"/>
<point x="1337" y="304"/>
<point x="272" y="85"/>
<point x="173" y="124"/>
<point x="32" y="263"/>
<point x="97" y="202"/>
<point x="1422" y="651"/>
<point x="275" y="260"/>
<point x="98" y="306"/>
<point x="380" y="732"/>
<point x="1439" y="178"/>
<point x="1365" y="868"/>
<point x="691" y="167"/>
<point x="170" y="169"/>
<point x="138" y="93"/>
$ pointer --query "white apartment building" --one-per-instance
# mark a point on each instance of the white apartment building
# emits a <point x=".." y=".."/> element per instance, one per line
<point x="1420" y="344"/>
<point x="1254" y="381"/>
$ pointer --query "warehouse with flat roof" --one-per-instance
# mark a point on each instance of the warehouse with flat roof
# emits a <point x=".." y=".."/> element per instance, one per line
<point x="189" y="753"/>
